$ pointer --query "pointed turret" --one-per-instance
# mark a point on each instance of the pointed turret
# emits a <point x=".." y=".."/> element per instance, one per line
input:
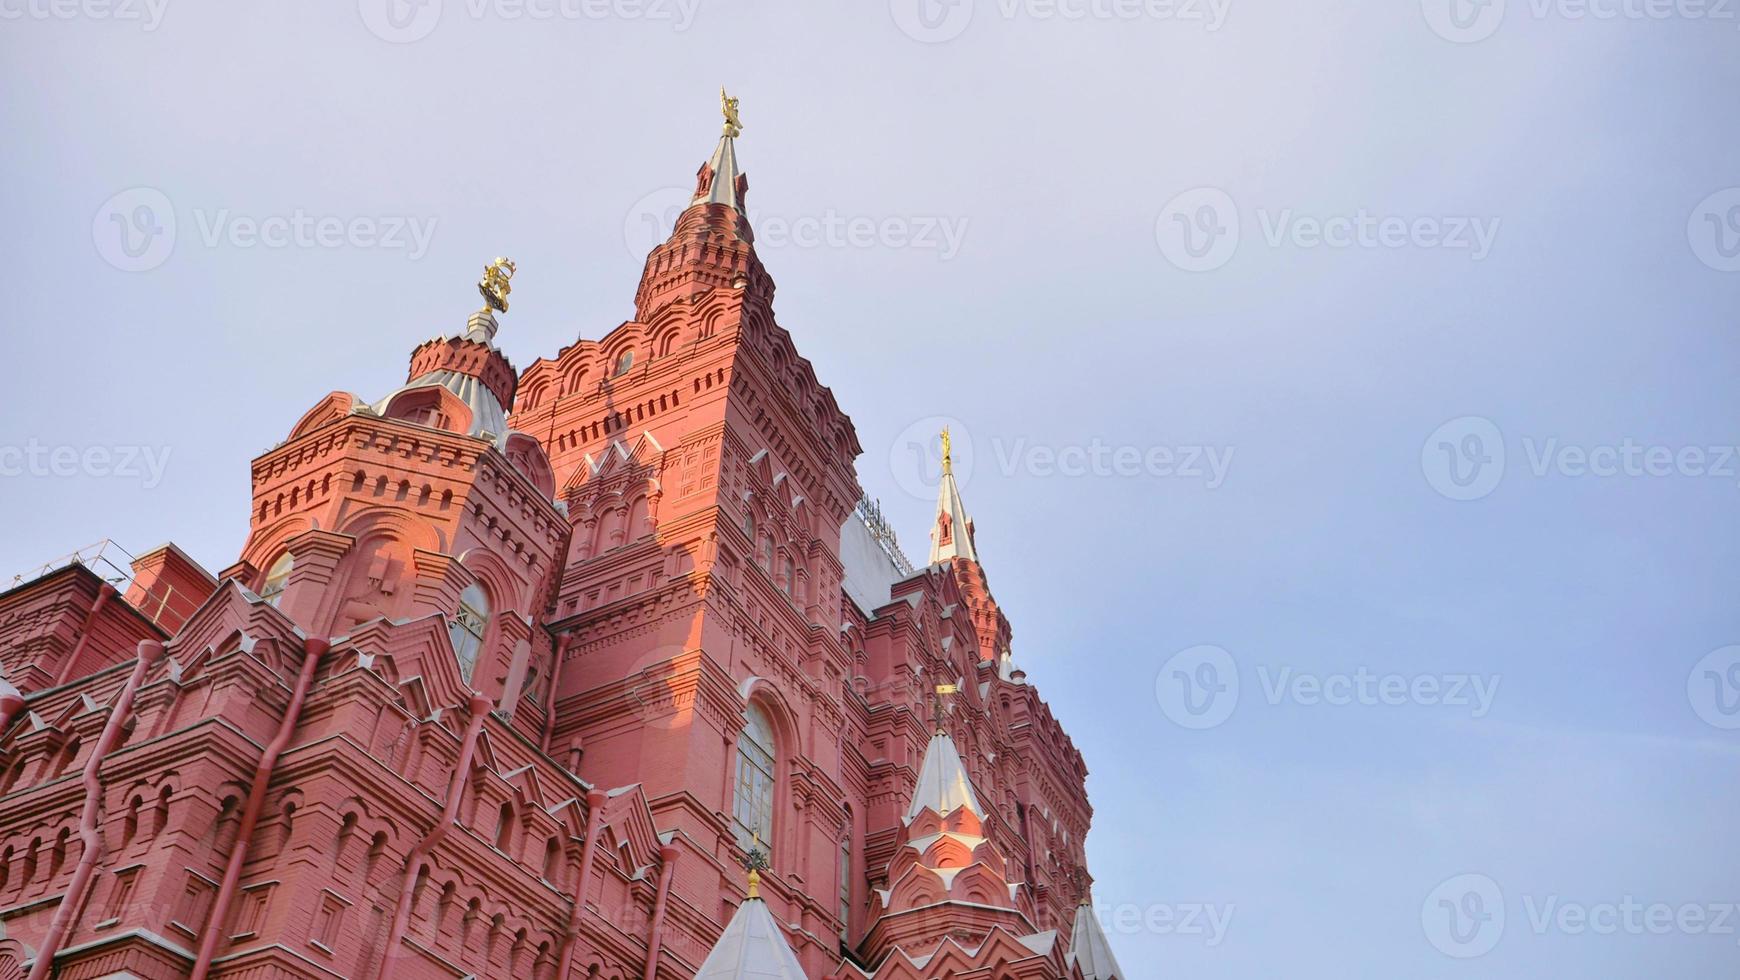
<point x="943" y="784"/>
<point x="753" y="946"/>
<point x="1090" y="949"/>
<point x="712" y="247"/>
<point x="952" y="534"/>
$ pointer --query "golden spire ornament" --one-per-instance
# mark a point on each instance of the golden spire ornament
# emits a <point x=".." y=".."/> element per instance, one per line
<point x="494" y="284"/>
<point x="755" y="862"/>
<point x="947" y="452"/>
<point x="733" y="122"/>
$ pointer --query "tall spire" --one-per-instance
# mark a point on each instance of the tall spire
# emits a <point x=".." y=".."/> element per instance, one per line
<point x="712" y="247"/>
<point x="952" y="534"/>
<point x="718" y="178"/>
<point x="1090" y="949"/>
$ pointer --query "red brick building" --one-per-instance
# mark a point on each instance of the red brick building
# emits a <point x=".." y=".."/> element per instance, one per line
<point x="511" y="695"/>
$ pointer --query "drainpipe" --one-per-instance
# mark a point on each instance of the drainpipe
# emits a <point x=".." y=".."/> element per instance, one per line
<point x="90" y="838"/>
<point x="419" y="856"/>
<point x="655" y="940"/>
<point x="312" y="651"/>
<point x="595" y="801"/>
<point x="104" y="594"/>
<point x="550" y="699"/>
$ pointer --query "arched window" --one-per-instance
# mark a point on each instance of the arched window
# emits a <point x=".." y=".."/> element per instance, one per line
<point x="623" y="363"/>
<point x="466" y="630"/>
<point x="749" y="523"/>
<point x="788" y="575"/>
<point x="752" y="809"/>
<point x="277" y="577"/>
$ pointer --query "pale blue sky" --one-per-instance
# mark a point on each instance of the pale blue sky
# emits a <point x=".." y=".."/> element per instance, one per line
<point x="1599" y="311"/>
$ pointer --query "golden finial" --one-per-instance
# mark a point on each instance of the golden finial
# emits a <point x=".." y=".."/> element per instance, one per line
<point x="733" y="123"/>
<point x="494" y="284"/>
<point x="948" y="452"/>
<point x="941" y="707"/>
<point x="755" y="862"/>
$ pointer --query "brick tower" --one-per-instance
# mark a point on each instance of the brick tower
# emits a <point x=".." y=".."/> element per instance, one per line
<point x="514" y="674"/>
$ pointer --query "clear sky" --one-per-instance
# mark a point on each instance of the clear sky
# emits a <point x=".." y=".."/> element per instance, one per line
<point x="1387" y="255"/>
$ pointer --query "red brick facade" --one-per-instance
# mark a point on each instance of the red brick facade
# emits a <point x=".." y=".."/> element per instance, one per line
<point x="295" y="775"/>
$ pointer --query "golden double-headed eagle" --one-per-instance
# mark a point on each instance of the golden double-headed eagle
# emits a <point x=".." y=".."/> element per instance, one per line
<point x="494" y="284"/>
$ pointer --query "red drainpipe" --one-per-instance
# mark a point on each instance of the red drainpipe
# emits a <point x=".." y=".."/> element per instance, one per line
<point x="550" y="700"/>
<point x="104" y="594"/>
<point x="312" y="651"/>
<point x="419" y="855"/>
<point x="655" y="940"/>
<point x="90" y="838"/>
<point x="595" y="801"/>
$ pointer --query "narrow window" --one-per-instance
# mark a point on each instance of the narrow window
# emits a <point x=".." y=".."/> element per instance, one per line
<point x="623" y="363"/>
<point x="752" y="809"/>
<point x="467" y="629"/>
